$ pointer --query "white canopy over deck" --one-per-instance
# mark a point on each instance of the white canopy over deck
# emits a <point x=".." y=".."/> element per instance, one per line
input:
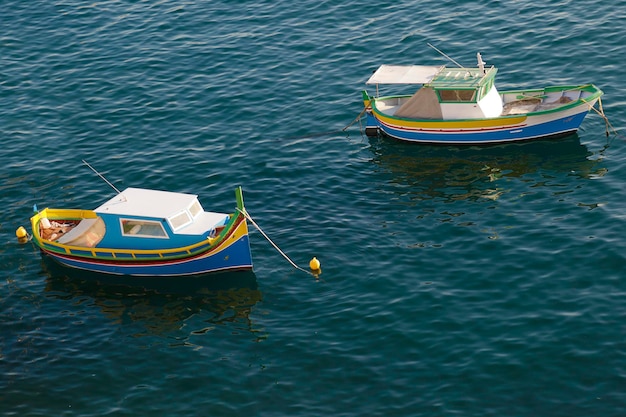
<point x="404" y="74"/>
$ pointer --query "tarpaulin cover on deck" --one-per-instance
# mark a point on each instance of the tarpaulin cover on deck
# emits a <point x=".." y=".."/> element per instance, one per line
<point x="424" y="104"/>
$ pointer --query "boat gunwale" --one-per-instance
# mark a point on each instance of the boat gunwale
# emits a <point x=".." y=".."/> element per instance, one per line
<point x="136" y="255"/>
<point x="596" y="93"/>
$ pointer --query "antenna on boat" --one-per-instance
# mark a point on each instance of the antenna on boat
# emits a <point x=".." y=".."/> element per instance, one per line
<point x="101" y="176"/>
<point x="446" y="56"/>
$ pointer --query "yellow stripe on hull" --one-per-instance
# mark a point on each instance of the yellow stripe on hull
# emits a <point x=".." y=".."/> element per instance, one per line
<point x="451" y="124"/>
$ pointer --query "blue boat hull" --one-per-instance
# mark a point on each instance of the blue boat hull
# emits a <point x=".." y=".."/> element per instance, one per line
<point x="236" y="256"/>
<point x="558" y="127"/>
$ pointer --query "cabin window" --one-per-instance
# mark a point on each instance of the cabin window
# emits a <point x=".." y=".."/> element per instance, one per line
<point x="179" y="220"/>
<point x="457" y="95"/>
<point x="195" y="208"/>
<point x="142" y="228"/>
<point x="485" y="89"/>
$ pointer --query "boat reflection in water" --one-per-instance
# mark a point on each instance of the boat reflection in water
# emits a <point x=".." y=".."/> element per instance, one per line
<point x="176" y="308"/>
<point x="459" y="173"/>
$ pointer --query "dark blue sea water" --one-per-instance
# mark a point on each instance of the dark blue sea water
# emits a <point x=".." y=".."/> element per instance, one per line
<point x="455" y="281"/>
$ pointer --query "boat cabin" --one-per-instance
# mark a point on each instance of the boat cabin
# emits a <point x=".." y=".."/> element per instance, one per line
<point x="146" y="219"/>
<point x="445" y="94"/>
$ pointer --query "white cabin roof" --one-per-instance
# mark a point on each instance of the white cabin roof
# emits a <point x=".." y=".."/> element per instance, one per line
<point x="404" y="74"/>
<point x="147" y="203"/>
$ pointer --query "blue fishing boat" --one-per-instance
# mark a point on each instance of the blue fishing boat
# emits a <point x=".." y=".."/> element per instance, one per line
<point x="143" y="232"/>
<point x="462" y="106"/>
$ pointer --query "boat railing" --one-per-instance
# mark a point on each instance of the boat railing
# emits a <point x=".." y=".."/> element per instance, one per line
<point x="231" y="229"/>
<point x="125" y="254"/>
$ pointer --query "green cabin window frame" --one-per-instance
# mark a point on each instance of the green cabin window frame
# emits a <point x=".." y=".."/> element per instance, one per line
<point x="457" y="95"/>
<point x="485" y="88"/>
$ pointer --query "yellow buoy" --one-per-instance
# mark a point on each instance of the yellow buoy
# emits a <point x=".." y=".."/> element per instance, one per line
<point x="22" y="235"/>
<point x="314" y="264"/>
<point x="21" y="232"/>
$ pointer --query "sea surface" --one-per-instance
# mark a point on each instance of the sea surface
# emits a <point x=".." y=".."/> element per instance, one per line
<point x="456" y="281"/>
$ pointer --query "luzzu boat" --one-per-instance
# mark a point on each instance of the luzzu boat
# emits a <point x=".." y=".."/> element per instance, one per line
<point x="459" y="106"/>
<point x="142" y="232"/>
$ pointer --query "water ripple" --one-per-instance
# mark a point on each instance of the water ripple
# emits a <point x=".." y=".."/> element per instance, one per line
<point x="455" y="281"/>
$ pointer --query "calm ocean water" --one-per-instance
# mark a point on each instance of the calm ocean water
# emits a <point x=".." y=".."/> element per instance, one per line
<point x="456" y="281"/>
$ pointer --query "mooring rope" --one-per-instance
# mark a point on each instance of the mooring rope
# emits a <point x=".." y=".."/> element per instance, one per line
<point x="358" y="118"/>
<point x="327" y="133"/>
<point x="247" y="216"/>
<point x="601" y="114"/>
